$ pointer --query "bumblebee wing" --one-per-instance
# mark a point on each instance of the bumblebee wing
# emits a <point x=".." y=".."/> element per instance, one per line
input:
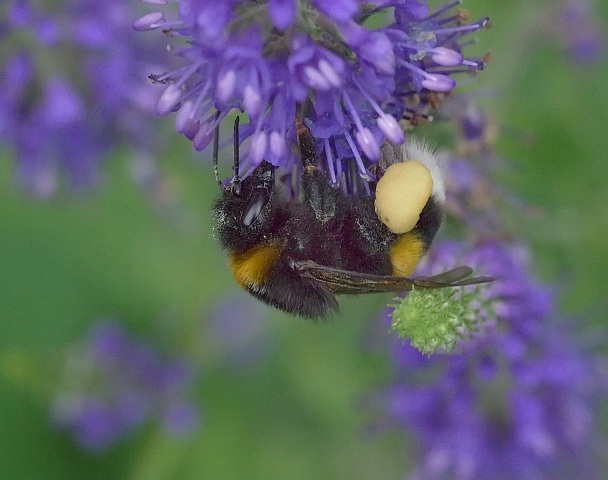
<point x="454" y="275"/>
<point x="457" y="277"/>
<point x="344" y="281"/>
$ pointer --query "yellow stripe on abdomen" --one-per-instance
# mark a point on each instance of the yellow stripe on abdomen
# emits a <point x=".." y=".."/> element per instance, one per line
<point x="405" y="254"/>
<point x="250" y="268"/>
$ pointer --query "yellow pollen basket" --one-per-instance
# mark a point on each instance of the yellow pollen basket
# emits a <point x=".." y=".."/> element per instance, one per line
<point x="401" y="194"/>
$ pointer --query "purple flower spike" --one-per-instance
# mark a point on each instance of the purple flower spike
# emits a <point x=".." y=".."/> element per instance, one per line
<point x="355" y="84"/>
<point x="516" y="402"/>
<point x="115" y="384"/>
<point x="59" y="123"/>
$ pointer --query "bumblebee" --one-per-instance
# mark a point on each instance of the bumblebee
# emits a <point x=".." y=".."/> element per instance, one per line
<point x="298" y="255"/>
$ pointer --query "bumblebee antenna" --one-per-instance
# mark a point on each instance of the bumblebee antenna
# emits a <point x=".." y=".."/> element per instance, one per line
<point x="236" y="180"/>
<point x="216" y="142"/>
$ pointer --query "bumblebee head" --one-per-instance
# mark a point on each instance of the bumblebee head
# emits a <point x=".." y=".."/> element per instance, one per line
<point x="247" y="215"/>
<point x="245" y="212"/>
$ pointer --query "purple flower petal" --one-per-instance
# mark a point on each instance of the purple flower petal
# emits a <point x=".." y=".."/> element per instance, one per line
<point x="248" y="66"/>
<point x="282" y="13"/>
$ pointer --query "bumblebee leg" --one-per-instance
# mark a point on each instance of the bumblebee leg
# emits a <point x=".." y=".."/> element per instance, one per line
<point x="318" y="193"/>
<point x="216" y="141"/>
<point x="236" y="179"/>
<point x="307" y="146"/>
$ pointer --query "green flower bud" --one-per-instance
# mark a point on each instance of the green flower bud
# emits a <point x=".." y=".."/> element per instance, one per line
<point x="435" y="319"/>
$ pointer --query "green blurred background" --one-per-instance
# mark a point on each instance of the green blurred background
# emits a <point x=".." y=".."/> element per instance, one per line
<point x="148" y="257"/>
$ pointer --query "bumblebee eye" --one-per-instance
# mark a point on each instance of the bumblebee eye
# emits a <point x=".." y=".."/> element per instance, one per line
<point x="255" y="204"/>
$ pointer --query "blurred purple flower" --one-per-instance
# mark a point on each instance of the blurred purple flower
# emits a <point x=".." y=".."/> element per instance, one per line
<point x="355" y="84"/>
<point x="517" y="402"/>
<point x="578" y="30"/>
<point x="473" y="195"/>
<point x="114" y="384"/>
<point x="237" y="331"/>
<point x="72" y="89"/>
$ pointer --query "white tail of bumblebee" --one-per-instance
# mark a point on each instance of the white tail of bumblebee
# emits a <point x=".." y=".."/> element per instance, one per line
<point x="418" y="149"/>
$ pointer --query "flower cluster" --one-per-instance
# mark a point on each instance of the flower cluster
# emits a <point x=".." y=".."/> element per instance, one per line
<point x="113" y="384"/>
<point x="355" y="84"/>
<point x="472" y="195"/>
<point x="72" y="90"/>
<point x="517" y="402"/>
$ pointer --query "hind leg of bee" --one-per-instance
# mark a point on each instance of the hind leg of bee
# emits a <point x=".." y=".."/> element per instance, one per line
<point x="307" y="146"/>
<point x="318" y="193"/>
